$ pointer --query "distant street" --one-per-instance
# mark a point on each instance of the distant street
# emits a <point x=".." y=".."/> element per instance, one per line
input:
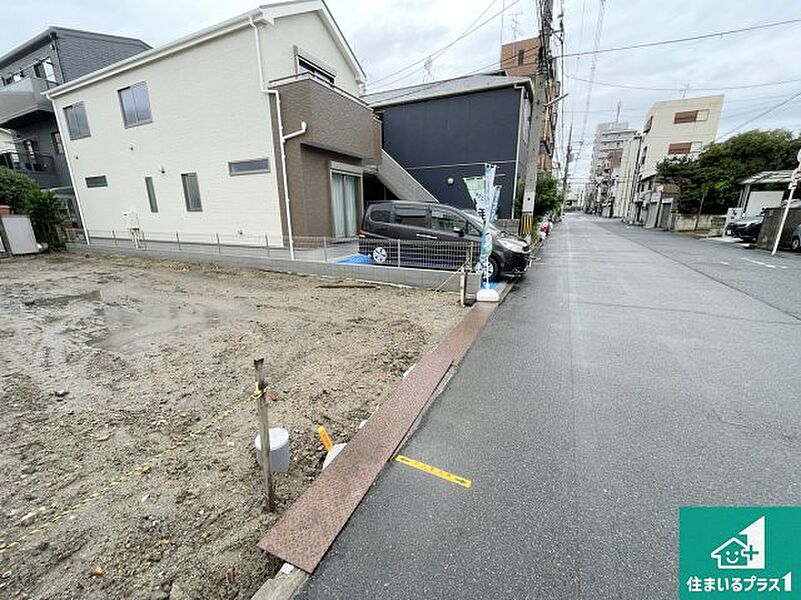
<point x="631" y="372"/>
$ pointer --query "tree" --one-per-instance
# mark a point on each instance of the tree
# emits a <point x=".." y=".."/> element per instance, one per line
<point x="24" y="196"/>
<point x="46" y="213"/>
<point x="547" y="198"/>
<point x="717" y="172"/>
<point x="16" y="189"/>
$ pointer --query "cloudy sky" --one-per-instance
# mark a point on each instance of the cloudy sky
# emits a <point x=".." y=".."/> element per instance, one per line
<point x="388" y="35"/>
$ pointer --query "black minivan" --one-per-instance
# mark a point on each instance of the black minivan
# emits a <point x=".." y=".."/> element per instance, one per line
<point x="419" y="224"/>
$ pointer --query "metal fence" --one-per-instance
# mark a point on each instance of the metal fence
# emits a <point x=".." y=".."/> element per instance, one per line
<point x="419" y="254"/>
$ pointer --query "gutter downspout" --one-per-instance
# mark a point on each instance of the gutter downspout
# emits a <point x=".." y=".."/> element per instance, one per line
<point x="263" y="88"/>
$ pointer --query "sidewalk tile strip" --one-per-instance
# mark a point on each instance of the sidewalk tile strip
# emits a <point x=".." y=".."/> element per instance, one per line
<point x="308" y="528"/>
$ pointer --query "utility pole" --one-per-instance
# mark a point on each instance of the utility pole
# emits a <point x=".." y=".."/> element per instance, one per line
<point x="568" y="156"/>
<point x="540" y="82"/>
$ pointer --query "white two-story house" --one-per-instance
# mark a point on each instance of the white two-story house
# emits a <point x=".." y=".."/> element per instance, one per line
<point x="250" y="131"/>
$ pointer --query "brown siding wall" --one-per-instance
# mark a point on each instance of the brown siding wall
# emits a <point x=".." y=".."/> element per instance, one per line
<point x="339" y="129"/>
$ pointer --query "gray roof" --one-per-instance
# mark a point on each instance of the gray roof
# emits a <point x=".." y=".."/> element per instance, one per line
<point x="45" y="35"/>
<point x="769" y="177"/>
<point x="447" y="87"/>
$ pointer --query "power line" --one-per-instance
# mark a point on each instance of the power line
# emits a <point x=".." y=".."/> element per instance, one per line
<point x="422" y="60"/>
<point x="675" y="88"/>
<point x="685" y="39"/>
<point x="593" y="65"/>
<point x="762" y="114"/>
<point x="635" y="46"/>
<point x="472" y="28"/>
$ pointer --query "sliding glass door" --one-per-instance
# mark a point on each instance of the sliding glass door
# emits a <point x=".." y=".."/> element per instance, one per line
<point x="345" y="200"/>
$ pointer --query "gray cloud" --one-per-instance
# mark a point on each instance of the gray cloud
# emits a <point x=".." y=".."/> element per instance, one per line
<point x="389" y="34"/>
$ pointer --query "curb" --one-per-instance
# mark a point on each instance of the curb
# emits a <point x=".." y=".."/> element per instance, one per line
<point x="284" y="586"/>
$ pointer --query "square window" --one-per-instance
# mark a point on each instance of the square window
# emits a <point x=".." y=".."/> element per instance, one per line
<point x="135" y="104"/>
<point x="77" y="123"/>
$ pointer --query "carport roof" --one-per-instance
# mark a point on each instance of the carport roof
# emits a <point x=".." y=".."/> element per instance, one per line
<point x="769" y="177"/>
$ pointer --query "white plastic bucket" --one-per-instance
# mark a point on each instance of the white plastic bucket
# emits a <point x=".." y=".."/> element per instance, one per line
<point x="279" y="450"/>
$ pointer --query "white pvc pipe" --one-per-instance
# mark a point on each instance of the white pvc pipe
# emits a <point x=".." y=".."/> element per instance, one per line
<point x="267" y="91"/>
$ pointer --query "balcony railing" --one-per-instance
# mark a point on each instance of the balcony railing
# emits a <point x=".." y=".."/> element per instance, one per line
<point x="21" y="98"/>
<point x="24" y="162"/>
<point x="39" y="167"/>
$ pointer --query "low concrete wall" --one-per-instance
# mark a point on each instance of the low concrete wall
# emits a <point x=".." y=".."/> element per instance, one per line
<point x="424" y="278"/>
<point x="773" y="218"/>
<point x="679" y="222"/>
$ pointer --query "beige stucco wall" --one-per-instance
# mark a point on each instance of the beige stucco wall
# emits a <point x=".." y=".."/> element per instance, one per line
<point x="664" y="131"/>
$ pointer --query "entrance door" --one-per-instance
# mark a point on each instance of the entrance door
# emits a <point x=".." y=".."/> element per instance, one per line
<point x="345" y="201"/>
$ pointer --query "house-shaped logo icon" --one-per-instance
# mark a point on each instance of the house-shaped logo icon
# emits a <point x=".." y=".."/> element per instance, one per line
<point x="746" y="550"/>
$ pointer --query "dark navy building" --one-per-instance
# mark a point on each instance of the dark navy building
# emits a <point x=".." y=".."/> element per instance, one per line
<point x="443" y="131"/>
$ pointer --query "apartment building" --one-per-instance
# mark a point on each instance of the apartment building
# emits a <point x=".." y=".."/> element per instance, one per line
<point x="251" y="129"/>
<point x="673" y="128"/>
<point x="607" y="151"/>
<point x="627" y="178"/>
<point x="520" y="58"/>
<point x="55" y="56"/>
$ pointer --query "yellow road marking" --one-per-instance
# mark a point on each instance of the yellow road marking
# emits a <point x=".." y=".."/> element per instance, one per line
<point x="416" y="464"/>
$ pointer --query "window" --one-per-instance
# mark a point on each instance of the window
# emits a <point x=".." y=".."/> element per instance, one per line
<point x="151" y="194"/>
<point x="445" y="220"/>
<point x="191" y="192"/>
<point x="306" y="66"/>
<point x="696" y="147"/>
<point x="135" y="104"/>
<point x="521" y="54"/>
<point x="647" y="127"/>
<point x="702" y="115"/>
<point x="77" y="123"/>
<point x="96" y="181"/>
<point x="413" y="216"/>
<point x="345" y="200"/>
<point x="686" y="116"/>
<point x="58" y="147"/>
<point x="243" y="167"/>
<point x="680" y="148"/>
<point x="381" y="215"/>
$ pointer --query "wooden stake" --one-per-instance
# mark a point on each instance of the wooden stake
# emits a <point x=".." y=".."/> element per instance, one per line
<point x="264" y="431"/>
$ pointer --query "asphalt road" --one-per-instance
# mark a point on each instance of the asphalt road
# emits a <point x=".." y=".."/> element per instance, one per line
<point x="632" y="372"/>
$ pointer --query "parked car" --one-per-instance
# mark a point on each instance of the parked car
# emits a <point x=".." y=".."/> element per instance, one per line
<point x="746" y="228"/>
<point x="418" y="224"/>
<point x="795" y="242"/>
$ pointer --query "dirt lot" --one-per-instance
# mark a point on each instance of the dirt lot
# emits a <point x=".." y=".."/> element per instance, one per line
<point x="149" y="352"/>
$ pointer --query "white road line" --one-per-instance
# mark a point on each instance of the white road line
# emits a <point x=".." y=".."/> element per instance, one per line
<point x="757" y="262"/>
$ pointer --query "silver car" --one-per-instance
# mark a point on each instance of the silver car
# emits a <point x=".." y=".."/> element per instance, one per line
<point x="795" y="242"/>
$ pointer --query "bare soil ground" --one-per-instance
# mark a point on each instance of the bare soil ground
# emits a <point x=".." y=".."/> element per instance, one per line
<point x="149" y="352"/>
